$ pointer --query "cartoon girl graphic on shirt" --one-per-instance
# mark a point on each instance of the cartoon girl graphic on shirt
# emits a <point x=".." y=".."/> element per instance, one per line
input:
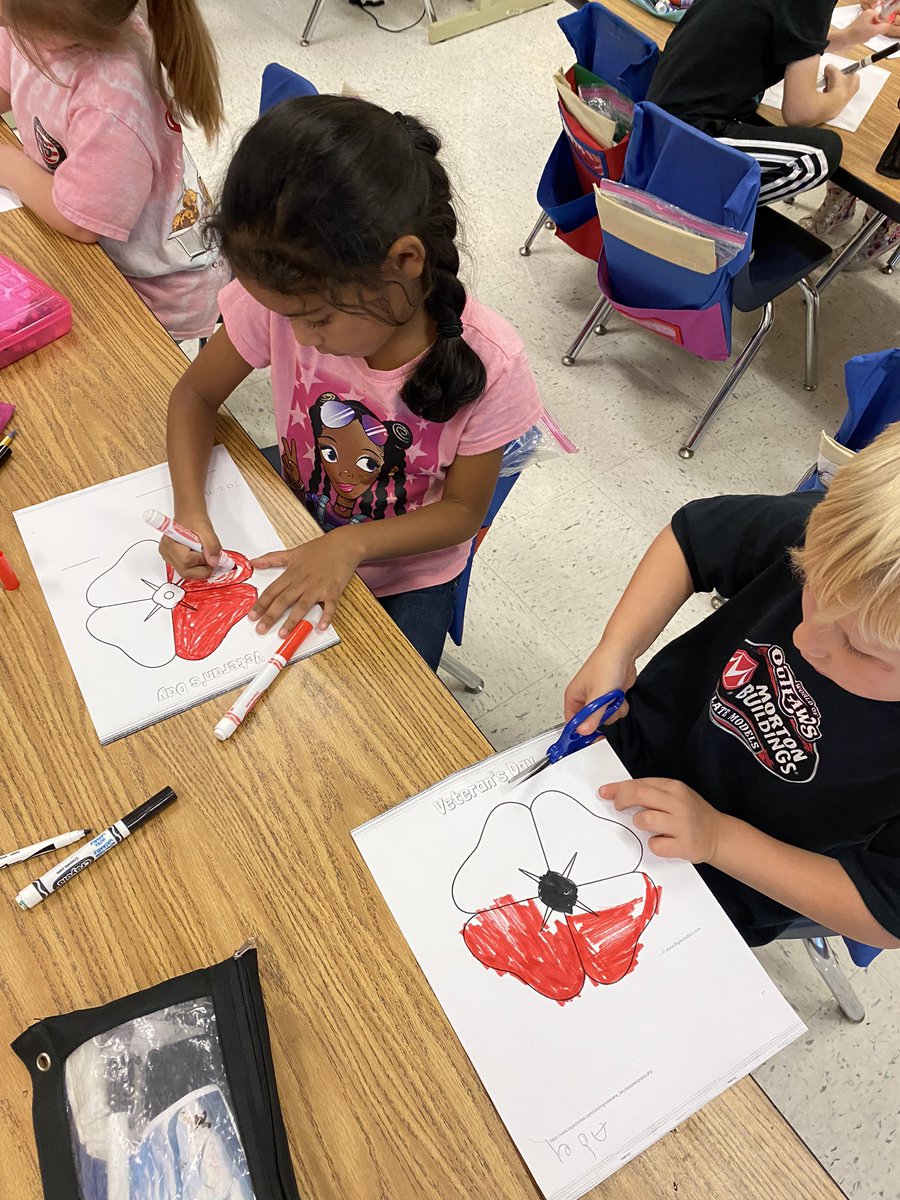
<point x="356" y="457"/>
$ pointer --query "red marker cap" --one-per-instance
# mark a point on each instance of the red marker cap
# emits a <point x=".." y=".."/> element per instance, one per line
<point x="7" y="575"/>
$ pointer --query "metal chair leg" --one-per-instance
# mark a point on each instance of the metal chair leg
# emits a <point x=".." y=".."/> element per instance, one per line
<point x="539" y="224"/>
<point x="837" y="982"/>
<point x="811" y="300"/>
<point x="888" y="268"/>
<point x="471" y="682"/>
<point x="310" y="23"/>
<point x="744" y="360"/>
<point x="429" y="8"/>
<point x="596" y="323"/>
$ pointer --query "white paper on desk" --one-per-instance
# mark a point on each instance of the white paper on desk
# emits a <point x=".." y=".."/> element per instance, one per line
<point x="847" y="14"/>
<point x="143" y="644"/>
<point x="871" y="81"/>
<point x="8" y="200"/>
<point x="584" y="1074"/>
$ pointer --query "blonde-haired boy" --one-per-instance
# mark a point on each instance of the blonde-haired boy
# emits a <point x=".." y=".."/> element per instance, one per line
<point x="765" y="742"/>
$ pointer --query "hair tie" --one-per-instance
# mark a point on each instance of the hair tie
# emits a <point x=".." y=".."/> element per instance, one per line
<point x="448" y="330"/>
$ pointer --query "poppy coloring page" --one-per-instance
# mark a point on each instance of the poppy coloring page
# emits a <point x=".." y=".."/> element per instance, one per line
<point x="600" y="992"/>
<point x="144" y="643"/>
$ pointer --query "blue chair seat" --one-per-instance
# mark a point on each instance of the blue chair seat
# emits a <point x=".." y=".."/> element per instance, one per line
<point x="783" y="254"/>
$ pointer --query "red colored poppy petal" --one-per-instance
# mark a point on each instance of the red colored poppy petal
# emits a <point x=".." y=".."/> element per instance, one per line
<point x="607" y="940"/>
<point x="509" y="938"/>
<point x="203" y="620"/>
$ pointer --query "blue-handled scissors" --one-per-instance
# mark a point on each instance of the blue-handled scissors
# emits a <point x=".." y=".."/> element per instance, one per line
<point x="569" y="740"/>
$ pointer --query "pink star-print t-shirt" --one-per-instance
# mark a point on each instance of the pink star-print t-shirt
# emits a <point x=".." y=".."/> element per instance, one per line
<point x="350" y="448"/>
<point x="96" y="121"/>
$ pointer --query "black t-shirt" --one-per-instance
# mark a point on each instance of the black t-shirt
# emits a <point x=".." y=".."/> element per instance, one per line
<point x="723" y="54"/>
<point x="733" y="710"/>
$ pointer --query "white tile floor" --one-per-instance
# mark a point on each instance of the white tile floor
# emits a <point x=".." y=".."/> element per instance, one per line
<point x="573" y="528"/>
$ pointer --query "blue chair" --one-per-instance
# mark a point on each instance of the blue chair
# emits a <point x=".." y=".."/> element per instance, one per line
<point x="678" y="164"/>
<point x="515" y="456"/>
<point x="611" y="48"/>
<point x="873" y="394"/>
<point x="279" y="83"/>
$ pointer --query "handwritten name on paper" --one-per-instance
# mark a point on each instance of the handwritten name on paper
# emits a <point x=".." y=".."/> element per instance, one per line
<point x="499" y="775"/>
<point x="588" y="1132"/>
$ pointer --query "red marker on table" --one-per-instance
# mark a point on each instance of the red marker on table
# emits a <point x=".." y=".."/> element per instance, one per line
<point x="7" y="575"/>
<point x="269" y="672"/>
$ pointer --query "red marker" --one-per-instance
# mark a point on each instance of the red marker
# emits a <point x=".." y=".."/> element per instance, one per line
<point x="7" y="575"/>
<point x="269" y="672"/>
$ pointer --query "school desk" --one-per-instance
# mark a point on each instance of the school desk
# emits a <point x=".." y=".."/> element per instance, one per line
<point x="379" y="1099"/>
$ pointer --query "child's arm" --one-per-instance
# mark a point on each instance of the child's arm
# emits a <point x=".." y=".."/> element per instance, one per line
<point x="803" y="104"/>
<point x="34" y="187"/>
<point x="657" y="589"/>
<point x="319" y="571"/>
<point x="5" y="101"/>
<point x="190" y="432"/>
<point x="684" y="825"/>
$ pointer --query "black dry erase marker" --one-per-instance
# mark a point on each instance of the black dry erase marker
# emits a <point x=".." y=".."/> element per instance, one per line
<point x="83" y="857"/>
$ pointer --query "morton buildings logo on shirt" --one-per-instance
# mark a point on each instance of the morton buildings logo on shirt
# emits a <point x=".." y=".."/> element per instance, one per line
<point x="761" y="702"/>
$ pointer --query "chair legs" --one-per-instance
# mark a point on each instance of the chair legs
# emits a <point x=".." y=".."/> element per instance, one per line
<point x="743" y="362"/>
<point x="811" y="300"/>
<point x="471" y="682"/>
<point x="888" y="268"/>
<point x="310" y="23"/>
<point x="543" y="222"/>
<point x="838" y="984"/>
<point x="596" y="323"/>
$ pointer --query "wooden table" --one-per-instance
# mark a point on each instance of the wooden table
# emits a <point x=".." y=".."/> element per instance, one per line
<point x="862" y="149"/>
<point x="380" y="1100"/>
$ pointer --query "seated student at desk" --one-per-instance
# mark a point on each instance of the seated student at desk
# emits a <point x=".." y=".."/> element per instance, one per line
<point x="765" y="742"/>
<point x="723" y="55"/>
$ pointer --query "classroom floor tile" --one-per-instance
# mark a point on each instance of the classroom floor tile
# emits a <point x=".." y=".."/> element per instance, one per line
<point x="562" y="548"/>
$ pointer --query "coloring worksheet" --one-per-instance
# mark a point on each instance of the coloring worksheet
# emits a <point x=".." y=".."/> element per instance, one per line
<point x="871" y="81"/>
<point x="599" y="991"/>
<point x="144" y="643"/>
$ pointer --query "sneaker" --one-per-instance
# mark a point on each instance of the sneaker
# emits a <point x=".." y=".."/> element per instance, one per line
<point x="886" y="240"/>
<point x="835" y="210"/>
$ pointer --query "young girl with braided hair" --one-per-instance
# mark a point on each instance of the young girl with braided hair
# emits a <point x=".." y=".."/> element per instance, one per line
<point x="395" y="392"/>
<point x="97" y="98"/>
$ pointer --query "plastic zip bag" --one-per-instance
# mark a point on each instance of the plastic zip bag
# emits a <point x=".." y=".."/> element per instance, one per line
<point x="540" y="443"/>
<point x="728" y="242"/>
<point x="611" y="104"/>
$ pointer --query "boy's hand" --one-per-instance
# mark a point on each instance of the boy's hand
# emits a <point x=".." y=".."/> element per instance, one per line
<point x="603" y="671"/>
<point x="187" y="563"/>
<point x="842" y="86"/>
<point x="682" y="823"/>
<point x="868" y="24"/>
<point x="315" y="573"/>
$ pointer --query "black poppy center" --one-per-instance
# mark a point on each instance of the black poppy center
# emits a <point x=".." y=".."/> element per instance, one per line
<point x="558" y="892"/>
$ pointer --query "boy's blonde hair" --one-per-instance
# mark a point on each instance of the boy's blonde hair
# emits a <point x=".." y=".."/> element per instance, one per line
<point x="851" y="558"/>
<point x="185" y="63"/>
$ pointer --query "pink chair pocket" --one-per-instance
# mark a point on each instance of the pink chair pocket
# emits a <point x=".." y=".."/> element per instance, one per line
<point x="699" y="330"/>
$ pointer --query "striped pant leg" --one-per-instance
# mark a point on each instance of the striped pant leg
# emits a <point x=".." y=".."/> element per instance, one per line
<point x="790" y="160"/>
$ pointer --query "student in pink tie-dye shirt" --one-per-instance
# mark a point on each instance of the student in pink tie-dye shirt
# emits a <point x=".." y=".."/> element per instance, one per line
<point x="97" y="99"/>
<point x="395" y="393"/>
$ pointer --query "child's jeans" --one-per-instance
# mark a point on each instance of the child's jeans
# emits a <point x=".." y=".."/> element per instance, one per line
<point x="424" y="617"/>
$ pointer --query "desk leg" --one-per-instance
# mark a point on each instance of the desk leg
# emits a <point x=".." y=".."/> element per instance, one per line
<point x="867" y="231"/>
<point x="888" y="268"/>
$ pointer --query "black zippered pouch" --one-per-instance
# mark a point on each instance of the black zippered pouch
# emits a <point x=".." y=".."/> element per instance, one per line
<point x="167" y="1094"/>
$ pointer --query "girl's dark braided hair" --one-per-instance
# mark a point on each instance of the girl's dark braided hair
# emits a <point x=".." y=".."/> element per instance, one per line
<point x="319" y="190"/>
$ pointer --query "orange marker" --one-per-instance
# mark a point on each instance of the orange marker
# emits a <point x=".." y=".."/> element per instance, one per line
<point x="7" y="575"/>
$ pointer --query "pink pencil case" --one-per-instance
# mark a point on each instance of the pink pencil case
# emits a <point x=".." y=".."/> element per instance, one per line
<point x="31" y="312"/>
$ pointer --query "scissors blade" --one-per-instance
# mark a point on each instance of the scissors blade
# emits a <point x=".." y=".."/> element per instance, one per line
<point x="530" y="772"/>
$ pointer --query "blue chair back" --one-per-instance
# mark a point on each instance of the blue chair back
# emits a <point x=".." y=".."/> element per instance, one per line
<point x="279" y="83"/>
<point x="678" y="164"/>
<point x="873" y="402"/>
<point x="624" y="57"/>
<point x="607" y="45"/>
